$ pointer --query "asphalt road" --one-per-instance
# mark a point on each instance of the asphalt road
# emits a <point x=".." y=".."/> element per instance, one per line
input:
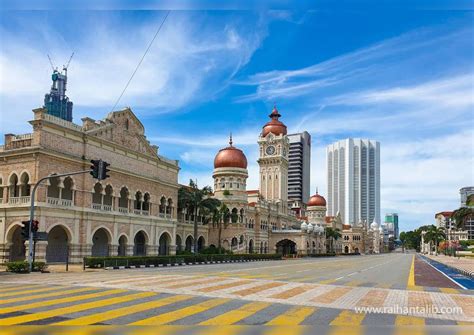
<point x="308" y="291"/>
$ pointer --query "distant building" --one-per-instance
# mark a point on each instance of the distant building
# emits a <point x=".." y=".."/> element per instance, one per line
<point x="56" y="102"/>
<point x="465" y="193"/>
<point x="391" y="220"/>
<point x="353" y="179"/>
<point x="444" y="221"/>
<point x="299" y="167"/>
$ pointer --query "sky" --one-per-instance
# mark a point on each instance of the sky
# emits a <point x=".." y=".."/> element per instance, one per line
<point x="401" y="75"/>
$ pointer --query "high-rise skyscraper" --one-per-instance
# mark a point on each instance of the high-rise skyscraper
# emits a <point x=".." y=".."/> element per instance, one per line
<point x="353" y="180"/>
<point x="56" y="102"/>
<point x="391" y="219"/>
<point x="299" y="166"/>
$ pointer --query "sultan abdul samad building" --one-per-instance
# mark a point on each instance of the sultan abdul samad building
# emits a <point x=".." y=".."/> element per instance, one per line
<point x="134" y="212"/>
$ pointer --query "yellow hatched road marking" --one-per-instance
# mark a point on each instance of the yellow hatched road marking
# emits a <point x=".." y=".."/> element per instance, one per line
<point x="43" y="289"/>
<point x="292" y="317"/>
<point x="405" y="320"/>
<point x="180" y="313"/>
<point x="348" y="318"/>
<point x="72" y="309"/>
<point x="58" y="301"/>
<point x="11" y="288"/>
<point x="347" y="330"/>
<point x="236" y="314"/>
<point x="47" y="295"/>
<point x="284" y="330"/>
<point x="327" y="281"/>
<point x="115" y="313"/>
<point x="411" y="274"/>
<point x="221" y="330"/>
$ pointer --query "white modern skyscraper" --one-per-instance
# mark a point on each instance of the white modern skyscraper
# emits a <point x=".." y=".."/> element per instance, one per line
<point x="299" y="166"/>
<point x="353" y="175"/>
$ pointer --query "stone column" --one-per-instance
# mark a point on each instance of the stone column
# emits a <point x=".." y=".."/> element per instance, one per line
<point x="152" y="250"/>
<point x="113" y="249"/>
<point x="75" y="253"/>
<point x="129" y="250"/>
<point x="40" y="255"/>
<point x="5" y="252"/>
<point x="172" y="249"/>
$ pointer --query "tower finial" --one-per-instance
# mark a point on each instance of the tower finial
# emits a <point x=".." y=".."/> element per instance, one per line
<point x="230" y="139"/>
<point x="317" y="190"/>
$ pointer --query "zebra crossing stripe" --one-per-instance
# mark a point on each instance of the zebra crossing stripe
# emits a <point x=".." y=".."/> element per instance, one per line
<point x="47" y="295"/>
<point x="14" y="320"/>
<point x="236" y="315"/>
<point x="23" y="292"/>
<point x="293" y="317"/>
<point x="58" y="301"/>
<point x="348" y="318"/>
<point x="123" y="311"/>
<point x="181" y="313"/>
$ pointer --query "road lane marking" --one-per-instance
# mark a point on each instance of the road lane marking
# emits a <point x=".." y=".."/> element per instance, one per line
<point x="168" y="317"/>
<point x="195" y="283"/>
<point x="43" y="289"/>
<point x="293" y="317"/>
<point x="348" y="318"/>
<point x="14" y="320"/>
<point x="236" y="315"/>
<point x="406" y="320"/>
<point x="411" y="275"/>
<point x="58" y="301"/>
<point x="115" y="313"/>
<point x="47" y="295"/>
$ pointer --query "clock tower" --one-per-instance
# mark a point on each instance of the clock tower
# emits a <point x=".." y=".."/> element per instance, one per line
<point x="273" y="161"/>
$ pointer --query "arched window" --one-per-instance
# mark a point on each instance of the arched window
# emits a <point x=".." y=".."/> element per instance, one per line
<point x="67" y="192"/>
<point x="123" y="201"/>
<point x="14" y="188"/>
<point x="1" y="190"/>
<point x="25" y="185"/>
<point x="97" y="196"/>
<point x="234" y="216"/>
<point x="169" y="208"/>
<point x="146" y="203"/>
<point x="53" y="188"/>
<point x="162" y="205"/>
<point x="138" y="200"/>
<point x="108" y="198"/>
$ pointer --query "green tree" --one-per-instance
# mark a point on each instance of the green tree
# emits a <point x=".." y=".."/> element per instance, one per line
<point x="199" y="202"/>
<point x="435" y="235"/>
<point x="332" y="235"/>
<point x="461" y="215"/>
<point x="221" y="217"/>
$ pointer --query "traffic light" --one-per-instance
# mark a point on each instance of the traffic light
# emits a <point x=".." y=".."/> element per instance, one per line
<point x="25" y="230"/>
<point x="103" y="170"/>
<point x="99" y="169"/>
<point x="95" y="168"/>
<point x="34" y="228"/>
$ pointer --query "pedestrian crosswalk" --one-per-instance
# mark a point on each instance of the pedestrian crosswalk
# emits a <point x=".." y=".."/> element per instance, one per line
<point x="269" y="303"/>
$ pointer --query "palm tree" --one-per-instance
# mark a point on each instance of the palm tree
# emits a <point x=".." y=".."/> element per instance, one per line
<point x="197" y="201"/>
<point x="332" y="235"/>
<point x="435" y="234"/>
<point x="221" y="217"/>
<point x="460" y="215"/>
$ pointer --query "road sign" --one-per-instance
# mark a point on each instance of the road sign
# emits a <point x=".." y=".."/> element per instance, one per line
<point x="41" y="236"/>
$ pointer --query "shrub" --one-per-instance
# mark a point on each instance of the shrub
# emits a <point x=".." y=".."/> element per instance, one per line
<point x="99" y="262"/>
<point x="22" y="266"/>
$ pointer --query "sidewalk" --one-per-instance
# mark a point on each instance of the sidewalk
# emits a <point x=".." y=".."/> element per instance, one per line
<point x="464" y="265"/>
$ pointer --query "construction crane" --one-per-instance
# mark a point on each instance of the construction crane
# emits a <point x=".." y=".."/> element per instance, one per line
<point x="51" y="62"/>
<point x="68" y="62"/>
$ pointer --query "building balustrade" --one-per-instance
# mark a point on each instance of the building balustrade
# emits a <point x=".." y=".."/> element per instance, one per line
<point x="123" y="210"/>
<point x="59" y="202"/>
<point x="19" y="200"/>
<point x="107" y="208"/>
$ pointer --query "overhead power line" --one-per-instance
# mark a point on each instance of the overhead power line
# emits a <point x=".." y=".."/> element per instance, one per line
<point x="141" y="60"/>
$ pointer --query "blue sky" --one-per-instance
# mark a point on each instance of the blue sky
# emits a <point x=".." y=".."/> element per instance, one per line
<point x="399" y="75"/>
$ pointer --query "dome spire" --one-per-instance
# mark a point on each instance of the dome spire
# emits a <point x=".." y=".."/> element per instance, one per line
<point x="230" y="139"/>
<point x="317" y="190"/>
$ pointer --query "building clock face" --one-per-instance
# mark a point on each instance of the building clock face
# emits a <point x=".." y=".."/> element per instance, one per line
<point x="270" y="150"/>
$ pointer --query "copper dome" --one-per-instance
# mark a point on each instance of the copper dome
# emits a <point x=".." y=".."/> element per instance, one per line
<point x="275" y="126"/>
<point x="230" y="157"/>
<point x="316" y="200"/>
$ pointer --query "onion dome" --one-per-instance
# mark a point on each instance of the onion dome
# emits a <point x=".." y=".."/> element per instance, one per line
<point x="230" y="157"/>
<point x="310" y="227"/>
<point x="274" y="126"/>
<point x="316" y="200"/>
<point x="304" y="226"/>
<point x="374" y="225"/>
